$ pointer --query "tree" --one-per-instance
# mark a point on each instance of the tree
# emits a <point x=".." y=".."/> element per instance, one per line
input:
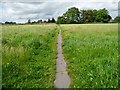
<point x="108" y="18"/>
<point x="29" y="21"/>
<point x="117" y="19"/>
<point x="95" y="16"/>
<point x="103" y="16"/>
<point x="87" y="16"/>
<point x="71" y="16"/>
<point x="44" y="21"/>
<point x="61" y="20"/>
<point x="53" y="20"/>
<point x="34" y="22"/>
<point x="49" y="21"/>
<point x="39" y="21"/>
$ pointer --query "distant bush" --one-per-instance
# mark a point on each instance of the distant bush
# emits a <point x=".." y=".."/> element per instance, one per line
<point x="51" y="20"/>
<point x="117" y="19"/>
<point x="10" y="22"/>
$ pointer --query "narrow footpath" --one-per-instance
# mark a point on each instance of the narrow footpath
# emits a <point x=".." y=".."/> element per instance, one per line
<point x="62" y="77"/>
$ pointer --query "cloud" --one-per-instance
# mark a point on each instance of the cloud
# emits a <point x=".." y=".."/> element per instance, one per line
<point x="60" y="1"/>
<point x="22" y="11"/>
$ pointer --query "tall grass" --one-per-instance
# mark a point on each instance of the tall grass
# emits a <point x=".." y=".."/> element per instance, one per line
<point x="91" y="51"/>
<point x="28" y="56"/>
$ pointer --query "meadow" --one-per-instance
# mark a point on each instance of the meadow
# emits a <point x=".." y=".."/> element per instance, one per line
<point x="91" y="52"/>
<point x="28" y="56"/>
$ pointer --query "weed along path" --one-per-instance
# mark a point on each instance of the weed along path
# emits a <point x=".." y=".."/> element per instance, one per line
<point x="62" y="77"/>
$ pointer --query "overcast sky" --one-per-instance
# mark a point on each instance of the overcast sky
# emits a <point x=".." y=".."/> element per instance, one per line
<point x="20" y="11"/>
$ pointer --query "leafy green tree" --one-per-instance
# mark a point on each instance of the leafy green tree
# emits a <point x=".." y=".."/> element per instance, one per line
<point x="87" y="16"/>
<point x="103" y="16"/>
<point x="61" y="20"/>
<point x="71" y="16"/>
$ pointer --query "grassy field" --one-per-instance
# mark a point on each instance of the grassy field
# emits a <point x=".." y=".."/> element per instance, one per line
<point x="28" y="56"/>
<point x="29" y="53"/>
<point x="91" y="51"/>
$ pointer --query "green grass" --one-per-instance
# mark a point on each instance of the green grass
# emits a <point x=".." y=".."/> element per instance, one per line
<point x="29" y="53"/>
<point x="28" y="56"/>
<point x="91" y="52"/>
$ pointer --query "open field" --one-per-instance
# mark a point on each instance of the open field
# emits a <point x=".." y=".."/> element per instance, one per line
<point x="28" y="56"/>
<point x="91" y="51"/>
<point x="29" y="53"/>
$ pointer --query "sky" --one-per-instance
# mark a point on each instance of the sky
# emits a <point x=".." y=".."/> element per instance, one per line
<point x="20" y="10"/>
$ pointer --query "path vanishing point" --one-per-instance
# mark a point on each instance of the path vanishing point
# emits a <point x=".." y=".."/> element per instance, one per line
<point x="62" y="77"/>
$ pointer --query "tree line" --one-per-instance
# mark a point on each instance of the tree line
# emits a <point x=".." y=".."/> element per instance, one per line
<point x="73" y="15"/>
<point x="52" y="20"/>
<point x="10" y="22"/>
<point x="41" y="21"/>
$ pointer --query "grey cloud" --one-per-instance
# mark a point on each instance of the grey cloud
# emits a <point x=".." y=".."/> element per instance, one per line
<point x="44" y="10"/>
